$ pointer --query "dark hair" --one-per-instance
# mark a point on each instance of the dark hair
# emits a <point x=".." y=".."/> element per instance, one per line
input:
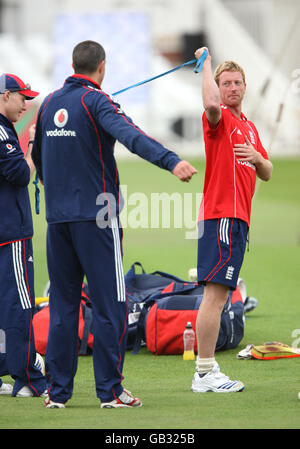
<point x="87" y="56"/>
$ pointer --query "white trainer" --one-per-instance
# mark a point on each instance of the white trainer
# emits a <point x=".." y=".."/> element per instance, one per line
<point x="6" y="389"/>
<point x="215" y="381"/>
<point x="124" y="400"/>
<point x="51" y="404"/>
<point x="25" y="392"/>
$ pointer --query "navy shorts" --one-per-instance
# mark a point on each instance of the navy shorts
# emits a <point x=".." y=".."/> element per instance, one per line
<point x="221" y="249"/>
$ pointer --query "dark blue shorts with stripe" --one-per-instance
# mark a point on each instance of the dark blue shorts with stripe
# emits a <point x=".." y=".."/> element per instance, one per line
<point x="221" y="249"/>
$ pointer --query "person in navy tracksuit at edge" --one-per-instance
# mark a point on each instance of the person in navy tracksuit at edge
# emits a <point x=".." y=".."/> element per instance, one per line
<point x="17" y="299"/>
<point x="76" y="130"/>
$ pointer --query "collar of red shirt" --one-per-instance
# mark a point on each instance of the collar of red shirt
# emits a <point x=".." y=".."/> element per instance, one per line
<point x="243" y="117"/>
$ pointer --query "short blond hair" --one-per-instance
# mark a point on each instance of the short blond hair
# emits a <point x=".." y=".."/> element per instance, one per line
<point x="228" y="66"/>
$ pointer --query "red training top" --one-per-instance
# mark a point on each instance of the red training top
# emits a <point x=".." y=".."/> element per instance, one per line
<point x="229" y="182"/>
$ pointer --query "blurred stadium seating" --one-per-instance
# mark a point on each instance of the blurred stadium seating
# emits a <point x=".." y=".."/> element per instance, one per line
<point x="146" y="38"/>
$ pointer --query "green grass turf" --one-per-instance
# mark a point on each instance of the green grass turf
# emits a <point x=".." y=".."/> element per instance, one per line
<point x="271" y="272"/>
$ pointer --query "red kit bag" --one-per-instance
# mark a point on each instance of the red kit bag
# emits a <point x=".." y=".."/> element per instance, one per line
<point x="167" y="319"/>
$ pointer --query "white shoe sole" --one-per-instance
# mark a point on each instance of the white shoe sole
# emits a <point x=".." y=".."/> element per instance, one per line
<point x="207" y="389"/>
<point x="108" y="405"/>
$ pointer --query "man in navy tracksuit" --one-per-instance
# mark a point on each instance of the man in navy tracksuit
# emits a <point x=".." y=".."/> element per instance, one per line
<point x="17" y="298"/>
<point x="77" y="128"/>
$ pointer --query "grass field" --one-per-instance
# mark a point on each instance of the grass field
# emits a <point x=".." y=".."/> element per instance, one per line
<point x="271" y="272"/>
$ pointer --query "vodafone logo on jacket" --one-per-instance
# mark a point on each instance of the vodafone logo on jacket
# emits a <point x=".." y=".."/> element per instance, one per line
<point x="60" y="120"/>
<point x="61" y="117"/>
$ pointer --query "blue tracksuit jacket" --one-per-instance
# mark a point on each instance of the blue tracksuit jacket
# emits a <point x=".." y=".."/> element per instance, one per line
<point x="77" y="128"/>
<point x="15" y="210"/>
<point x="16" y="267"/>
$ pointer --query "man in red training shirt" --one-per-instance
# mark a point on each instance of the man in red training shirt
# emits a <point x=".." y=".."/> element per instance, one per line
<point x="234" y="157"/>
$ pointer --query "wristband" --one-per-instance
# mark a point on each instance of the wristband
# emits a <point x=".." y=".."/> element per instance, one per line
<point x="30" y="142"/>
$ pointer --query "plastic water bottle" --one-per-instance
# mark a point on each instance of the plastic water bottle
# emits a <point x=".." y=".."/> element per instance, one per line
<point x="2" y="342"/>
<point x="188" y="342"/>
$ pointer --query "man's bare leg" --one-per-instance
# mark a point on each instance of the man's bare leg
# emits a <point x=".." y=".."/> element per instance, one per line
<point x="208" y="324"/>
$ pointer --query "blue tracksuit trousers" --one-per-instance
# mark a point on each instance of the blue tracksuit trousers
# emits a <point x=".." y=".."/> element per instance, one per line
<point x="17" y="301"/>
<point x="74" y="250"/>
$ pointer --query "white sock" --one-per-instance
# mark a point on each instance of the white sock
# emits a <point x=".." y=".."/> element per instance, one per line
<point x="204" y="365"/>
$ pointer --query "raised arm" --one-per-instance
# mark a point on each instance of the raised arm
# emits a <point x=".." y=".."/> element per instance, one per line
<point x="210" y="90"/>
